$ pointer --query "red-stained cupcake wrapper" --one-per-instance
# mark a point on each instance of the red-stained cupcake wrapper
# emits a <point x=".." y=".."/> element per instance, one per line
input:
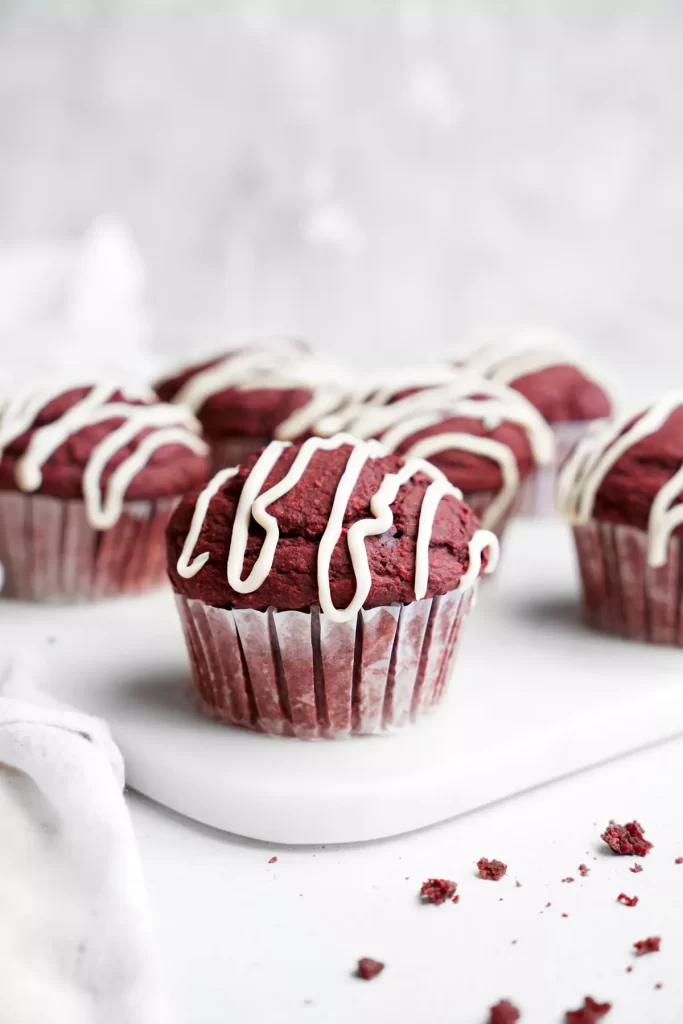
<point x="479" y="502"/>
<point x="622" y="593"/>
<point x="50" y="553"/>
<point x="539" y="491"/>
<point x="299" y="674"/>
<point x="232" y="451"/>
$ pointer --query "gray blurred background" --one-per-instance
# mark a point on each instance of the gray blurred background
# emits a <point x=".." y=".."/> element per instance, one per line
<point x="381" y="182"/>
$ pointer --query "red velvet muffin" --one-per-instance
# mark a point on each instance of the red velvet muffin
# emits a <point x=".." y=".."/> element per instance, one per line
<point x="488" y="440"/>
<point x="549" y="369"/>
<point x="349" y="573"/>
<point x="89" y="476"/>
<point x="270" y="389"/>
<point x="621" y="490"/>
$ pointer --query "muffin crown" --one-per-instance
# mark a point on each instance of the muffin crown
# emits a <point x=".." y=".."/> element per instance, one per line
<point x="547" y="367"/>
<point x="273" y="387"/>
<point x="100" y="442"/>
<point x="334" y="522"/>
<point x="630" y="470"/>
<point x="483" y="435"/>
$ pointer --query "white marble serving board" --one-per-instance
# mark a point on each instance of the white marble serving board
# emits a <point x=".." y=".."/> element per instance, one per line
<point x="536" y="695"/>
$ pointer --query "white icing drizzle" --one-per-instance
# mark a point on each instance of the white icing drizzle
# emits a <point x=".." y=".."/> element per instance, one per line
<point x="592" y="459"/>
<point x="398" y="421"/>
<point x="103" y="505"/>
<point x="505" y="355"/>
<point x="489" y="448"/>
<point x="254" y="505"/>
<point x="372" y="412"/>
<point x="316" y="416"/>
<point x="263" y="362"/>
<point x="276" y="365"/>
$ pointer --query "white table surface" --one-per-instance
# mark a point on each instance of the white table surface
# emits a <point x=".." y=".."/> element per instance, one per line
<point x="246" y="941"/>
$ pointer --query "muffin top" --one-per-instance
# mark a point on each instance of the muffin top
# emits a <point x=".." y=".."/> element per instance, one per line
<point x="271" y="388"/>
<point x="630" y="471"/>
<point x="483" y="436"/>
<point x="333" y="522"/>
<point x="546" y="367"/>
<point x="99" y="442"/>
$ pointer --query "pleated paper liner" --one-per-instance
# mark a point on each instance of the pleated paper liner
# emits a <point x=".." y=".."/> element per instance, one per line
<point x="479" y="502"/>
<point x="299" y="674"/>
<point x="622" y="593"/>
<point x="50" y="553"/>
<point x="539" y="491"/>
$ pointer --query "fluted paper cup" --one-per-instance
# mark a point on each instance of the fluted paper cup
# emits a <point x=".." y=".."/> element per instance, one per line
<point x="479" y="502"/>
<point x="622" y="593"/>
<point x="232" y="451"/>
<point x="51" y="554"/>
<point x="299" y="674"/>
<point x="539" y="491"/>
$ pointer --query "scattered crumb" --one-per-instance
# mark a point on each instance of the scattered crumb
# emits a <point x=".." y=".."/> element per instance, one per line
<point x="659" y="985"/>
<point x="438" y="890"/>
<point x="548" y="905"/>
<point x="568" y="879"/>
<point x="308" y="1002"/>
<point x="629" y="969"/>
<point x="627" y="840"/>
<point x="514" y="942"/>
<point x="679" y="860"/>
<point x="369" y="969"/>
<point x="650" y="945"/>
<point x="52" y="639"/>
<point x="491" y="870"/>
<point x="589" y="1013"/>
<point x="636" y="868"/>
<point x="273" y="860"/>
<point x="583" y="870"/>
<point x="500" y="899"/>
<point x="504" y="1013"/>
<point x="518" y="885"/>
<point x="628" y="901"/>
<point x="565" y="915"/>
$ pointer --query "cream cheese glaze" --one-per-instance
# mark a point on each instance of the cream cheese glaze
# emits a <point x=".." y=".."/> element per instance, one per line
<point x="170" y="425"/>
<point x="596" y="454"/>
<point x="253" y="504"/>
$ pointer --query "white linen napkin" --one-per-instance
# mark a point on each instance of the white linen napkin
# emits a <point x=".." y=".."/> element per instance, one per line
<point x="75" y="937"/>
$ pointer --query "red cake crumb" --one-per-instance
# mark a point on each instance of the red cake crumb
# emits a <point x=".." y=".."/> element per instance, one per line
<point x="627" y="840"/>
<point x="628" y="901"/>
<point x="273" y="860"/>
<point x="491" y="870"/>
<point x="504" y="1013"/>
<point x="636" y="868"/>
<point x="565" y="915"/>
<point x="369" y="969"/>
<point x="679" y="860"/>
<point x="629" y="969"/>
<point x="589" y="1013"/>
<point x="569" y="879"/>
<point x="583" y="870"/>
<point x="518" y="885"/>
<point x="438" y="890"/>
<point x="650" y="945"/>
<point x="548" y="905"/>
<point x="659" y="985"/>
